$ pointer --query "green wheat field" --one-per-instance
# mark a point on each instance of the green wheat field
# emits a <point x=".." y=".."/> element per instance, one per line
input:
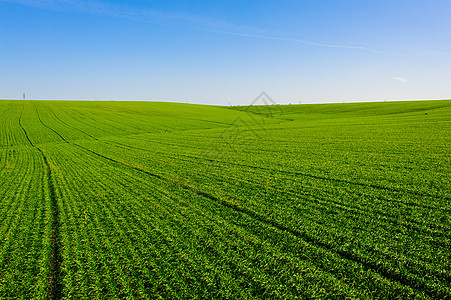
<point x="147" y="200"/>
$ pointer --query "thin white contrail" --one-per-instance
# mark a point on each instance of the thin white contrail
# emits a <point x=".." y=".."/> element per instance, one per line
<point x="297" y="41"/>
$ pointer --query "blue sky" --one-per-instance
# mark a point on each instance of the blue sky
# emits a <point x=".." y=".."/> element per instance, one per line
<point x="226" y="51"/>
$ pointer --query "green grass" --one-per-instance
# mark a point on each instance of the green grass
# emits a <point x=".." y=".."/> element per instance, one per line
<point x="128" y="200"/>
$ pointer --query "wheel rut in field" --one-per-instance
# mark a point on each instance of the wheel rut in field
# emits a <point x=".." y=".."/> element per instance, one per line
<point x="48" y="127"/>
<point x="119" y="162"/>
<point x="367" y="265"/>
<point x="54" y="282"/>
<point x="344" y="181"/>
<point x="55" y="286"/>
<point x="436" y="231"/>
<point x="318" y="177"/>
<point x="70" y="126"/>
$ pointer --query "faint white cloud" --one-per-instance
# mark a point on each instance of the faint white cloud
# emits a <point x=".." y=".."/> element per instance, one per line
<point x="96" y="8"/>
<point x="401" y="79"/>
<point x="163" y="18"/>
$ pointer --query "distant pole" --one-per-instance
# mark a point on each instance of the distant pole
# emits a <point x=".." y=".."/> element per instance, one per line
<point x="24" y="96"/>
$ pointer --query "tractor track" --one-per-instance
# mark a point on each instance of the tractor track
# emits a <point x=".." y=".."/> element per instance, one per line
<point x="54" y="283"/>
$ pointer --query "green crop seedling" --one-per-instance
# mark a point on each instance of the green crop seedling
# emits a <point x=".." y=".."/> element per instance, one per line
<point x="110" y="200"/>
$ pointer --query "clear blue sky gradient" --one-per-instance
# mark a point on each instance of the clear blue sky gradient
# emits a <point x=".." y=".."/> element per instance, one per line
<point x="226" y="51"/>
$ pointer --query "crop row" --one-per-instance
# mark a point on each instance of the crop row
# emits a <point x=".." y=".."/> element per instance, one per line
<point x="107" y="200"/>
<point x="25" y="227"/>
<point x="315" y="211"/>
